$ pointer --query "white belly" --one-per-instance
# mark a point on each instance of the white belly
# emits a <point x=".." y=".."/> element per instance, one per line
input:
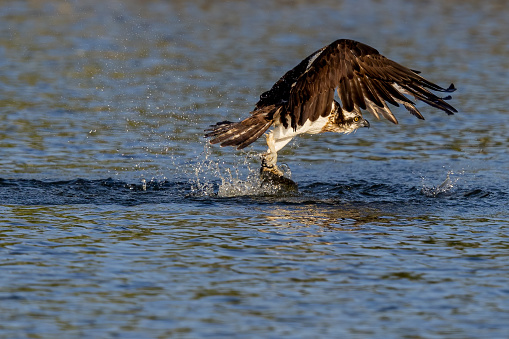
<point x="282" y="135"/>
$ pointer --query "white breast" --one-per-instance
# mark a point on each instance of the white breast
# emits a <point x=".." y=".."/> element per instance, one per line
<point x="283" y="135"/>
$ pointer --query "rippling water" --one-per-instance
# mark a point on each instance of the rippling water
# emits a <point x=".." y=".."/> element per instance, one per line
<point x="117" y="219"/>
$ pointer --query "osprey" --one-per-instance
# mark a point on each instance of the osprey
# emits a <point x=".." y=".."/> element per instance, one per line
<point x="302" y="100"/>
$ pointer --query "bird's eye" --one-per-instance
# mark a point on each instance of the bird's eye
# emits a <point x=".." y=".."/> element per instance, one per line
<point x="356" y="119"/>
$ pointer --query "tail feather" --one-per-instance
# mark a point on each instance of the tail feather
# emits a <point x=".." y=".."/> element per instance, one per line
<point x="243" y="133"/>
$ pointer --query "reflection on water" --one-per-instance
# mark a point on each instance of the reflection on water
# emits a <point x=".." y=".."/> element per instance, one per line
<point x="118" y="220"/>
<point x="330" y="218"/>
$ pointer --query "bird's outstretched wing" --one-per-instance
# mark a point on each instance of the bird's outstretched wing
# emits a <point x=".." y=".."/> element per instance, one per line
<point x="363" y="79"/>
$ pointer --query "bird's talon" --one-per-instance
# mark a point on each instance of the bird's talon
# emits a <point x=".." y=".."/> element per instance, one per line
<point x="273" y="169"/>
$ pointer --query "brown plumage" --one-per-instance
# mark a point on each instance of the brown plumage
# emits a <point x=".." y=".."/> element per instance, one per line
<point x="245" y="132"/>
<point x="362" y="77"/>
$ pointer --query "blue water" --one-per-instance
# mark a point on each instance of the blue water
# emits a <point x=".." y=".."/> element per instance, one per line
<point x="117" y="219"/>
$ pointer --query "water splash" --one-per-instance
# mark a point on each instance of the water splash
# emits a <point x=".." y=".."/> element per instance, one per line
<point x="212" y="177"/>
<point x="446" y="188"/>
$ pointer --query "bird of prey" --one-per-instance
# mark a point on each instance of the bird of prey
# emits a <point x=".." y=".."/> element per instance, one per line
<point x="302" y="100"/>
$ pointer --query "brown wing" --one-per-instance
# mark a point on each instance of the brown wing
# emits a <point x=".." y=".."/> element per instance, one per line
<point x="363" y="79"/>
<point x="280" y="91"/>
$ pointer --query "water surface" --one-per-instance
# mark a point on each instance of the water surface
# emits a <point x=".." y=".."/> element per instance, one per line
<point x="117" y="219"/>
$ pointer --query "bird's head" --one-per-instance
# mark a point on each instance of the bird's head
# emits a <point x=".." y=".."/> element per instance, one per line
<point x="352" y="120"/>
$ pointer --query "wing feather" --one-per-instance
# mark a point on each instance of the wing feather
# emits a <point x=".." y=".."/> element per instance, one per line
<point x="363" y="78"/>
<point x="357" y="93"/>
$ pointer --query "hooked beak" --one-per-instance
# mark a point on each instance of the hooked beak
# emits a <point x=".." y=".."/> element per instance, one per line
<point x="365" y="123"/>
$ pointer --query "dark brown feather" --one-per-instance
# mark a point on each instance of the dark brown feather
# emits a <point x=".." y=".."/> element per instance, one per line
<point x="358" y="72"/>
<point x="243" y="133"/>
